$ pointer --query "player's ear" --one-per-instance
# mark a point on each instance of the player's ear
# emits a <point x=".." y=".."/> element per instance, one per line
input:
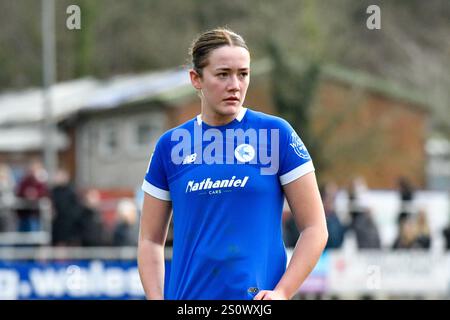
<point x="195" y="79"/>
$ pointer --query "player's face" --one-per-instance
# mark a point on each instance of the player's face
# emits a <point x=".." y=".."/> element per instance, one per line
<point x="224" y="81"/>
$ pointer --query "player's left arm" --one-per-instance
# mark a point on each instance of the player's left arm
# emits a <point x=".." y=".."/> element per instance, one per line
<point x="306" y="205"/>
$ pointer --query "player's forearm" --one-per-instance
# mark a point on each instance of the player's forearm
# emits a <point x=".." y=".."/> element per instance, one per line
<point x="151" y="268"/>
<point x="307" y="252"/>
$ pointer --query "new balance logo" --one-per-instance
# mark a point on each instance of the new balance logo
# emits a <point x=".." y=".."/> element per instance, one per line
<point x="190" y="158"/>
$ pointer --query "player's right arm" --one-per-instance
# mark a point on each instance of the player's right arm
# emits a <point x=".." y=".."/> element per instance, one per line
<point x="153" y="230"/>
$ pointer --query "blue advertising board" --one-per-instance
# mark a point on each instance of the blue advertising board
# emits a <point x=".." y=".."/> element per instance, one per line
<point x="71" y="279"/>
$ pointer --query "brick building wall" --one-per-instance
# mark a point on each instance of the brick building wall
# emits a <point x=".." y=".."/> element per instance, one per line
<point x="368" y="134"/>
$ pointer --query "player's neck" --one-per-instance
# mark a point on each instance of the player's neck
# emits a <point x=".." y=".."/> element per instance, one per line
<point x="216" y="119"/>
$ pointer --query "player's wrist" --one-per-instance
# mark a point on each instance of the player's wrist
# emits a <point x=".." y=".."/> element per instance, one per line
<point x="282" y="292"/>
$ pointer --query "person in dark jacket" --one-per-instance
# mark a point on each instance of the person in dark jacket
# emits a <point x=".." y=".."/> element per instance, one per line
<point x="365" y="228"/>
<point x="90" y="226"/>
<point x="67" y="210"/>
<point x="336" y="230"/>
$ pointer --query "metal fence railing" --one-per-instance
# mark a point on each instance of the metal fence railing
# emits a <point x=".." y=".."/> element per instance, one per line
<point x="72" y="253"/>
<point x="39" y="237"/>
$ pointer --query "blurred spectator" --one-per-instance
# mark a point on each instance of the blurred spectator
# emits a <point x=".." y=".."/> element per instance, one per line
<point x="290" y="231"/>
<point x="413" y="231"/>
<point x="336" y="230"/>
<point x="402" y="217"/>
<point x="446" y="233"/>
<point x="365" y="228"/>
<point x="126" y="230"/>
<point x="361" y="220"/>
<point x="356" y="191"/>
<point x="423" y="238"/>
<point x="406" y="189"/>
<point x="7" y="186"/>
<point x="406" y="192"/>
<point x="31" y="189"/>
<point x="407" y="233"/>
<point x="67" y="211"/>
<point x="90" y="226"/>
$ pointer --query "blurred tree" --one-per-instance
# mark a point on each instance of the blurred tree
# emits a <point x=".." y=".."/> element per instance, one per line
<point x="20" y="44"/>
<point x="84" y="39"/>
<point x="293" y="91"/>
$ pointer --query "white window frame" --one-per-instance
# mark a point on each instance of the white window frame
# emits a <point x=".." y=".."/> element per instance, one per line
<point x="157" y="125"/>
<point x="104" y="134"/>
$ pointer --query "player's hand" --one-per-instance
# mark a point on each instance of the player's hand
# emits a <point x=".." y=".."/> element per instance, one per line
<point x="270" y="295"/>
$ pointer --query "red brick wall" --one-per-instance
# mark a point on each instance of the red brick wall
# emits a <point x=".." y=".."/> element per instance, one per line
<point x="370" y="135"/>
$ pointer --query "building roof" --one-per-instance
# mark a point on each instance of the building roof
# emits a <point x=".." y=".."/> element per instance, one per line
<point x="21" y="112"/>
<point x="27" y="106"/>
<point x="69" y="97"/>
<point x="122" y="90"/>
<point x="27" y="138"/>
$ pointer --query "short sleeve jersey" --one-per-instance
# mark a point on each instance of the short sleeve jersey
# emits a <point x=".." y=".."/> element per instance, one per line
<point x="225" y="184"/>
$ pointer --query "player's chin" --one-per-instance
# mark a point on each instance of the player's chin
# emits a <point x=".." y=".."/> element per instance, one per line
<point x="229" y="108"/>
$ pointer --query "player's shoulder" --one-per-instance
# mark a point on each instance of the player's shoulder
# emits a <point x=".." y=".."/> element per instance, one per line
<point x="268" y="121"/>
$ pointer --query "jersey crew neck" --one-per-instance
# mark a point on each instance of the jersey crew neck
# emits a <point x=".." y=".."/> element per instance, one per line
<point x="232" y="124"/>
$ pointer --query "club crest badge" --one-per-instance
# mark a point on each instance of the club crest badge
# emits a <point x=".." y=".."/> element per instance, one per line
<point x="244" y="152"/>
<point x="297" y="144"/>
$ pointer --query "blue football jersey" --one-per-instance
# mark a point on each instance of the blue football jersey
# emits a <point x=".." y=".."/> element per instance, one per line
<point x="225" y="184"/>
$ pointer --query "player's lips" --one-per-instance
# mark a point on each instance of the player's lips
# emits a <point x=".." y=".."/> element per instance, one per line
<point x="233" y="98"/>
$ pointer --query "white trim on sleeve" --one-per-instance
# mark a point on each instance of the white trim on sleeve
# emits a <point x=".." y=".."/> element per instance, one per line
<point x="155" y="191"/>
<point x="297" y="173"/>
